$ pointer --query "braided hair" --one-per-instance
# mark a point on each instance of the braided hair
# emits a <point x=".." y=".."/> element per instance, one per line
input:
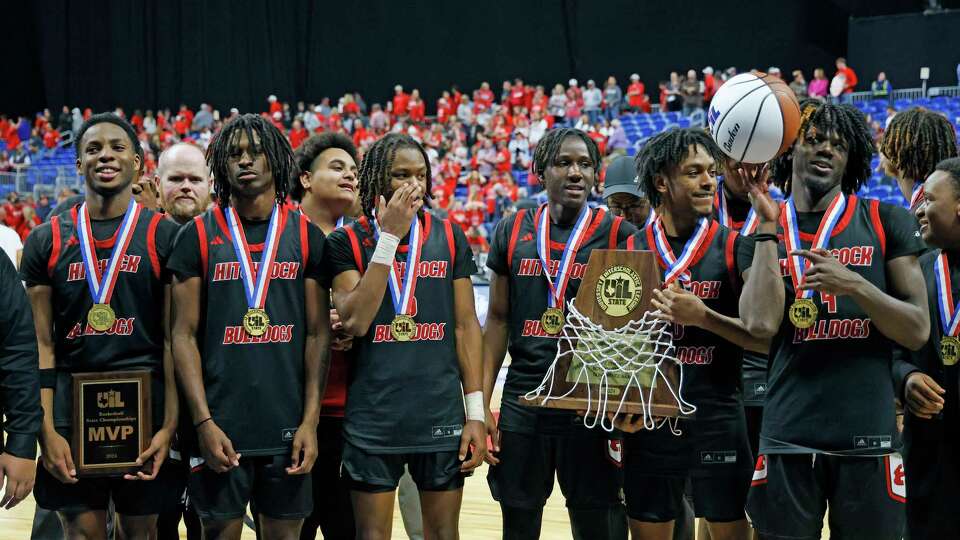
<point x="272" y="143"/>
<point x="664" y="153"/>
<point x="549" y="146"/>
<point x="850" y="124"/>
<point x="374" y="173"/>
<point x="917" y="140"/>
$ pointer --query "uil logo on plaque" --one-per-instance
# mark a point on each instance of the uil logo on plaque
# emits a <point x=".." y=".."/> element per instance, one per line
<point x="618" y="291"/>
<point x="112" y="421"/>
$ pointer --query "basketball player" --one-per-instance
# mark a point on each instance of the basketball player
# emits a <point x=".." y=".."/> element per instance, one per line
<point x="530" y="444"/>
<point x="914" y="142"/>
<point x="696" y="254"/>
<point x="417" y="342"/>
<point x="850" y="289"/>
<point x="264" y="336"/>
<point x="20" y="394"/>
<point x="183" y="182"/>
<point x="928" y="384"/>
<point x="623" y="194"/>
<point x="326" y="186"/>
<point x="105" y="256"/>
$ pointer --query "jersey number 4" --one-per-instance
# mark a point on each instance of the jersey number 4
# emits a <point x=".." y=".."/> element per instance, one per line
<point x="830" y="301"/>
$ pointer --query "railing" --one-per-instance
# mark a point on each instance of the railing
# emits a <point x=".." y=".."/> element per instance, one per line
<point x="951" y="91"/>
<point x="860" y="97"/>
<point x="908" y="93"/>
<point x="39" y="180"/>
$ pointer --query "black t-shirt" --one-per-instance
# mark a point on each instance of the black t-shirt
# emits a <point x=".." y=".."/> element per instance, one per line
<point x="513" y="254"/>
<point x="715" y="441"/>
<point x="51" y="257"/>
<point x="407" y="396"/>
<point x="829" y="385"/>
<point x="254" y="385"/>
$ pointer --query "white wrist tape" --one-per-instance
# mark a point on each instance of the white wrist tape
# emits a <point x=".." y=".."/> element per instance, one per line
<point x="474" y="402"/>
<point x="386" y="249"/>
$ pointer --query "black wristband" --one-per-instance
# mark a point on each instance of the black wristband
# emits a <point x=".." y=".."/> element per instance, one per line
<point x="764" y="237"/>
<point x="48" y="378"/>
<point x="200" y="423"/>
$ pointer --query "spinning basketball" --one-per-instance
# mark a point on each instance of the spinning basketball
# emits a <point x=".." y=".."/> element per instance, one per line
<point x="754" y="118"/>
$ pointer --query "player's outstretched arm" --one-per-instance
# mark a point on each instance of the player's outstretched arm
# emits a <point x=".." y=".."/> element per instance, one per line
<point x="316" y="366"/>
<point x="683" y="307"/>
<point x="55" y="450"/>
<point x="495" y="333"/>
<point x="357" y="297"/>
<point x="762" y="297"/>
<point x="470" y="357"/>
<point x="216" y="447"/>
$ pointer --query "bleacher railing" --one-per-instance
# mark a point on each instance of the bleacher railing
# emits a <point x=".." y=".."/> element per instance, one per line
<point x="951" y="91"/>
<point x="859" y="97"/>
<point x="40" y="180"/>
<point x="908" y="93"/>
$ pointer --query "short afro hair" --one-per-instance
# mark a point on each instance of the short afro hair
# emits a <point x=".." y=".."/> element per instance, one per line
<point x="110" y="118"/>
<point x="663" y="153"/>
<point x="952" y="167"/>
<point x="313" y="147"/>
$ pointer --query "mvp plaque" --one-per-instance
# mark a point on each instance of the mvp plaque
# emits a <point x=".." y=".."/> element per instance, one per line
<point x="111" y="421"/>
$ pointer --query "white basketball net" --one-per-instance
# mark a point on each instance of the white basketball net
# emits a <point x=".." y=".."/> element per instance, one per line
<point x="631" y="356"/>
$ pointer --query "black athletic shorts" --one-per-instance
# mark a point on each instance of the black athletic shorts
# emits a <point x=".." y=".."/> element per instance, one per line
<point x="262" y="479"/>
<point x="380" y="473"/>
<point x="933" y="478"/>
<point x="754" y="416"/>
<point x="588" y="467"/>
<point x="658" y="499"/>
<point x="791" y="492"/>
<point x="130" y="497"/>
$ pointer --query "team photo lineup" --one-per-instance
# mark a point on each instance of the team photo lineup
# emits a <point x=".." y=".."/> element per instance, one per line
<point x="725" y="312"/>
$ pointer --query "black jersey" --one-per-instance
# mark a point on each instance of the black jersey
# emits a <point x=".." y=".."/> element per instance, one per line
<point x="711" y="366"/>
<point x="829" y="387"/>
<point x="513" y="254"/>
<point x="52" y="257"/>
<point x="254" y="385"/>
<point x="406" y="396"/>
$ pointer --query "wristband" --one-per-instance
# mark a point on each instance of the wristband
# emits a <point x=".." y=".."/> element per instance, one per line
<point x="386" y="249"/>
<point x="474" y="403"/>
<point x="764" y="237"/>
<point x="48" y="378"/>
<point x="200" y="423"/>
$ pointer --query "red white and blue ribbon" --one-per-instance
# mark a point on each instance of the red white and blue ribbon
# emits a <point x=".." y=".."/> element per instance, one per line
<point x="402" y="288"/>
<point x="723" y="214"/>
<point x="256" y="279"/>
<point x="558" y="286"/>
<point x="650" y="218"/>
<point x="677" y="266"/>
<point x="917" y="196"/>
<point x="102" y="285"/>
<point x="949" y="317"/>
<point x="339" y="222"/>
<point x="797" y="264"/>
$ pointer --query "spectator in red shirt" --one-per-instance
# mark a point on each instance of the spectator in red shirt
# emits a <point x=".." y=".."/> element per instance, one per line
<point x="503" y="157"/>
<point x="415" y="107"/>
<point x="181" y="125"/>
<point x="50" y="137"/>
<point x="483" y="98"/>
<point x="298" y="134"/>
<point x="709" y="85"/>
<point x="574" y="87"/>
<point x="275" y="106"/>
<point x="186" y="113"/>
<point x="137" y="120"/>
<point x="400" y="100"/>
<point x="28" y="222"/>
<point x="444" y="107"/>
<point x="635" y="93"/>
<point x="517" y="95"/>
<point x="849" y="75"/>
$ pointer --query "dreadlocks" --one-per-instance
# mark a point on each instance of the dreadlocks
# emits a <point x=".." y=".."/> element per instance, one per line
<point x="269" y="141"/>
<point x="665" y="152"/>
<point x="374" y="173"/>
<point x="850" y="124"/>
<point x="917" y="140"/>
<point x="549" y="146"/>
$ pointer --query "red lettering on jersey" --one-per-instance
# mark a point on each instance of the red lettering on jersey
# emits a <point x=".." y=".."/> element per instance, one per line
<point x="704" y="289"/>
<point x="830" y="301"/>
<point x="532" y="267"/>
<point x="128" y="264"/>
<point x="276" y="333"/>
<point x="425" y="269"/>
<point x="698" y="355"/>
<point x="121" y="327"/>
<point x="227" y="271"/>
<point x="678" y="331"/>
<point x="847" y="256"/>
<point x="833" y="329"/>
<point x="760" y="471"/>
<point x="422" y="332"/>
<point x="532" y="328"/>
<point x="529" y="267"/>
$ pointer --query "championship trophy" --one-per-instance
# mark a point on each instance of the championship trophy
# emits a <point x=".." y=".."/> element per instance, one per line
<point x="614" y="355"/>
<point x="112" y="422"/>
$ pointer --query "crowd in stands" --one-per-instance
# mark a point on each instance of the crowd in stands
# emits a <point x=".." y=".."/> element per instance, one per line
<point x="480" y="142"/>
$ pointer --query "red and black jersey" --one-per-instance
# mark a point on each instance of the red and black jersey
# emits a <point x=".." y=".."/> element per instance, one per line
<point x="513" y="254"/>
<point x="254" y="385"/>
<point x="829" y="387"/>
<point x="406" y="396"/>
<point x="711" y="365"/>
<point x="51" y="257"/>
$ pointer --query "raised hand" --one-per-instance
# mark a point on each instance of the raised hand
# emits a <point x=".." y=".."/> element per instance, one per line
<point x="395" y="216"/>
<point x="826" y="274"/>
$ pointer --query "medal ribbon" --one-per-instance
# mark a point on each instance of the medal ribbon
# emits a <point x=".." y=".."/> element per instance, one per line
<point x="402" y="287"/>
<point x="917" y="196"/>
<point x="339" y="222"/>
<point x="650" y="217"/>
<point x="796" y="264"/>
<point x="949" y="316"/>
<point x="558" y="287"/>
<point x="101" y="286"/>
<point x="723" y="214"/>
<point x="256" y="279"/>
<point x="677" y="266"/>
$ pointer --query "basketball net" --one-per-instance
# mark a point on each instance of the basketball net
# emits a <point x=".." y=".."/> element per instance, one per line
<point x="631" y="356"/>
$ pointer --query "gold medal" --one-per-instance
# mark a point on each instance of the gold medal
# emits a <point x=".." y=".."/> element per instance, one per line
<point x="803" y="313"/>
<point x="949" y="350"/>
<point x="101" y="317"/>
<point x="255" y="322"/>
<point x="402" y="328"/>
<point x="552" y="321"/>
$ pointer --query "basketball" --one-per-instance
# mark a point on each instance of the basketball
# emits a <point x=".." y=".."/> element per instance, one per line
<point x="754" y="118"/>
